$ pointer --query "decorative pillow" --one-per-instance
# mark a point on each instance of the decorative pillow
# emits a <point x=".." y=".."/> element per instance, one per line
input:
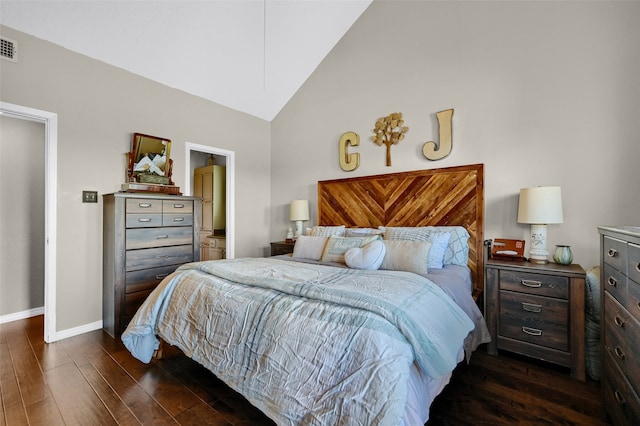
<point x="327" y="231"/>
<point x="457" y="252"/>
<point x="336" y="247"/>
<point x="308" y="247"/>
<point x="403" y="255"/>
<point x="369" y="256"/>
<point x="362" y="232"/>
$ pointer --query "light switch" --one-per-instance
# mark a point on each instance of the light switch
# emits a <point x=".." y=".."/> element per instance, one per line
<point x="89" y="196"/>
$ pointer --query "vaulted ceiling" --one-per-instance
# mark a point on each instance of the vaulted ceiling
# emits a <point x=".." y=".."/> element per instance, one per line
<point x="249" y="55"/>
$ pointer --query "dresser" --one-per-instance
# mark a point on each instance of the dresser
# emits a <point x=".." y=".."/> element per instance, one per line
<point x="537" y="311"/>
<point x="145" y="238"/>
<point x="620" y="322"/>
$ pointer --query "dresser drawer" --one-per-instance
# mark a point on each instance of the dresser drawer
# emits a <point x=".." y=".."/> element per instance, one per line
<point x="633" y="299"/>
<point x="615" y="282"/>
<point x="539" y="320"/>
<point x="622" y="402"/>
<point x="155" y="257"/>
<point x="139" y="220"/>
<point x="146" y="279"/>
<point x="633" y="262"/>
<point x="614" y="253"/>
<point x="540" y="284"/>
<point x="622" y="339"/>
<point x="133" y="301"/>
<point x="140" y="205"/>
<point x="177" y="219"/>
<point x="158" y="237"/>
<point x="177" y="206"/>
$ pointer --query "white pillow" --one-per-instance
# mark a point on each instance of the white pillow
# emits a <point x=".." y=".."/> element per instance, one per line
<point x="403" y="255"/>
<point x="328" y="231"/>
<point x="369" y="256"/>
<point x="457" y="252"/>
<point x="362" y="232"/>
<point x="308" y="247"/>
<point x="336" y="247"/>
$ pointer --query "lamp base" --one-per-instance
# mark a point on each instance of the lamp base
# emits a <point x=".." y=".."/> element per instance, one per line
<point x="298" y="229"/>
<point x="538" y="251"/>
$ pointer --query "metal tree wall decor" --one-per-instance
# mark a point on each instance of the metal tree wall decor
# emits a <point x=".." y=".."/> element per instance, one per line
<point x="389" y="130"/>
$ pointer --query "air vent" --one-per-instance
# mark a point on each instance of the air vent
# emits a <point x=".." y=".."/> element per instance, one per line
<point x="8" y="49"/>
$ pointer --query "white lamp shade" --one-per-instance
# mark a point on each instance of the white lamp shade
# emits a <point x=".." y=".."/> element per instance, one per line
<point x="299" y="210"/>
<point x="540" y="205"/>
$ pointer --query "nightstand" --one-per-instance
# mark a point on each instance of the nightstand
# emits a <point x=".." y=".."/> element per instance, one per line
<point x="281" y="247"/>
<point x="537" y="311"/>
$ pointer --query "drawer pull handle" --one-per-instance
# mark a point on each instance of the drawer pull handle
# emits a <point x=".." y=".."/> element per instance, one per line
<point x="619" y="352"/>
<point x="178" y="219"/>
<point x="161" y="276"/>
<point x="144" y="205"/>
<point x="619" y="397"/>
<point x="532" y="331"/>
<point x="619" y="322"/>
<point x="531" y="307"/>
<point x="144" y="219"/>
<point x="612" y="253"/>
<point x="162" y="256"/>
<point x="178" y="206"/>
<point x="530" y="283"/>
<point x="612" y="282"/>
<point x="638" y="266"/>
<point x="162" y="237"/>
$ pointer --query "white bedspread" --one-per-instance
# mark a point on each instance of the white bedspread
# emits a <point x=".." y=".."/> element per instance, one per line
<point x="306" y="344"/>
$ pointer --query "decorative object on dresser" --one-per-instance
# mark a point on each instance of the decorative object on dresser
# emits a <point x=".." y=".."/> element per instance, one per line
<point x="537" y="310"/>
<point x="620" y="322"/>
<point x="298" y="213"/>
<point x="149" y="166"/>
<point x="281" y="247"/>
<point x="209" y="184"/>
<point x="145" y="238"/>
<point x="539" y="207"/>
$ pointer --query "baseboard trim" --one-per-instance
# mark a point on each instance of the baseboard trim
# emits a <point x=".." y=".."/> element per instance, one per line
<point x="22" y="315"/>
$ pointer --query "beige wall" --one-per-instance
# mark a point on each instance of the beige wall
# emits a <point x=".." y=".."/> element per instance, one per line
<point x="22" y="147"/>
<point x="99" y="107"/>
<point x="545" y="93"/>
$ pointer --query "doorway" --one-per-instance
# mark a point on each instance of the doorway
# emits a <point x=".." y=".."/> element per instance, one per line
<point x="226" y="158"/>
<point x="50" y="121"/>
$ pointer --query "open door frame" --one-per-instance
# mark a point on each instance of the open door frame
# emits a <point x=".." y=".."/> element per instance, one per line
<point x="230" y="187"/>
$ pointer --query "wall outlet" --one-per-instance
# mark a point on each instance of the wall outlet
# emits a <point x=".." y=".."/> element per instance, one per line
<point x="89" y="196"/>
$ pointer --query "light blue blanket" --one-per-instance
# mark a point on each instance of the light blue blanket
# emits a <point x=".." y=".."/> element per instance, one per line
<point x="307" y="344"/>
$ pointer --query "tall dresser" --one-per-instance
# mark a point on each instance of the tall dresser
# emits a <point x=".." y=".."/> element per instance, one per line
<point x="145" y="238"/>
<point x="620" y="299"/>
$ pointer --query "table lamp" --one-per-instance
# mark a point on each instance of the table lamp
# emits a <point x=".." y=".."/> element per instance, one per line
<point x="539" y="207"/>
<point x="299" y="212"/>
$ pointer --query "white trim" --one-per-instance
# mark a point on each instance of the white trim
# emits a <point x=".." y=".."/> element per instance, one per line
<point x="231" y="185"/>
<point x="50" y="121"/>
<point x="81" y="329"/>
<point x="16" y="316"/>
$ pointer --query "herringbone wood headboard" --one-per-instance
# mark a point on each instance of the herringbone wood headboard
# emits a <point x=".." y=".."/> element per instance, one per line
<point x="446" y="196"/>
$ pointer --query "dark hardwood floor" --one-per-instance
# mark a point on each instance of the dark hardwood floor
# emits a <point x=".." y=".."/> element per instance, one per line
<point x="92" y="379"/>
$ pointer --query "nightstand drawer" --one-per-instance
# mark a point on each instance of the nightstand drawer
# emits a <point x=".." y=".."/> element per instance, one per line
<point x="539" y="320"/>
<point x="532" y="283"/>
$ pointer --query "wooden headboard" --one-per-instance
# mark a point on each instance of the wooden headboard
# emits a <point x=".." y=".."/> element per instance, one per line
<point x="446" y="196"/>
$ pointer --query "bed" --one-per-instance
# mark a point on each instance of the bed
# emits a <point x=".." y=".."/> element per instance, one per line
<point x="360" y="325"/>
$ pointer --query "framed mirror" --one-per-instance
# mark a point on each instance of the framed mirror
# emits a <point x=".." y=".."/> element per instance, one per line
<point x="149" y="159"/>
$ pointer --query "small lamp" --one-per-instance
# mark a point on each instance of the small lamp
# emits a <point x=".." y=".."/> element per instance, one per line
<point x="299" y="212"/>
<point x="540" y="206"/>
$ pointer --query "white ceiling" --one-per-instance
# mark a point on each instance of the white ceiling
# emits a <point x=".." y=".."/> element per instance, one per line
<point x="249" y="55"/>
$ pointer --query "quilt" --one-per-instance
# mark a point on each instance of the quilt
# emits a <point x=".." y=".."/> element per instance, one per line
<point x="307" y="344"/>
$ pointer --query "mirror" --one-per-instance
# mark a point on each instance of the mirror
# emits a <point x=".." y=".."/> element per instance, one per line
<point x="149" y="159"/>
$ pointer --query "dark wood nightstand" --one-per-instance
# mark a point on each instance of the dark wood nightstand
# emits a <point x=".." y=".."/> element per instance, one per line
<point x="281" y="247"/>
<point x="538" y="311"/>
